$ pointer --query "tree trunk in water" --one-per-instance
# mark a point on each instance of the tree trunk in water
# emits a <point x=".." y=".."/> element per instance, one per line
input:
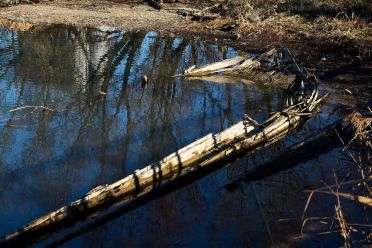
<point x="203" y="153"/>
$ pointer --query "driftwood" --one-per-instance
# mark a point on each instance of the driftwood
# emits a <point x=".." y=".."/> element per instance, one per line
<point x="203" y="153"/>
<point x="231" y="66"/>
<point x="289" y="158"/>
<point x="272" y="68"/>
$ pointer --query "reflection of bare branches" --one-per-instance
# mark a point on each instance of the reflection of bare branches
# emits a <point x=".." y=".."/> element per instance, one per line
<point x="263" y="214"/>
<point x="108" y="129"/>
<point x="358" y="191"/>
<point x="33" y="107"/>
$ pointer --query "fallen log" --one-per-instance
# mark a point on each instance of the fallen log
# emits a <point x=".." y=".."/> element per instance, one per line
<point x="140" y="182"/>
<point x="310" y="147"/>
<point x="272" y="68"/>
<point x="233" y="65"/>
<point x="203" y="153"/>
<point x="214" y="67"/>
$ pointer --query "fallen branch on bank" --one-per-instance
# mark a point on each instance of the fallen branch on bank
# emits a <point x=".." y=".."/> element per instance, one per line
<point x="233" y="65"/>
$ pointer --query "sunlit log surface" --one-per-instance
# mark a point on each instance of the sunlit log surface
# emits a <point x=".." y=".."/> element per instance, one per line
<point x="203" y="153"/>
<point x="229" y="66"/>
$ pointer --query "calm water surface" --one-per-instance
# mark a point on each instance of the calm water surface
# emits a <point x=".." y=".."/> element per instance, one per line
<point x="107" y="126"/>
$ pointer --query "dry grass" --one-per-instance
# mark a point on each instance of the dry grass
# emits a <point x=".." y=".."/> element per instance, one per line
<point x="338" y="223"/>
<point x="16" y="25"/>
<point x="362" y="128"/>
<point x="342" y="4"/>
<point x="357" y="190"/>
<point x="297" y="27"/>
<point x="323" y="20"/>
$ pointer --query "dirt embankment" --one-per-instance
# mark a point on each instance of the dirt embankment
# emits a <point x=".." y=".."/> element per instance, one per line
<point x="275" y="29"/>
<point x="94" y="13"/>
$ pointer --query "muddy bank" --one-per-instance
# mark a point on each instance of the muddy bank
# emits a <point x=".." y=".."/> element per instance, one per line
<point x="92" y="13"/>
<point x="280" y="29"/>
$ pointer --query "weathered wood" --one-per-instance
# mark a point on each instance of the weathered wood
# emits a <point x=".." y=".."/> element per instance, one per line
<point x="176" y="164"/>
<point x="307" y="148"/>
<point x="233" y="65"/>
<point x="210" y="68"/>
<point x="203" y="153"/>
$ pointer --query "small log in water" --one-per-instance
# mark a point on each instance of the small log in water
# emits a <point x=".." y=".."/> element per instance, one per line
<point x="270" y="68"/>
<point x="232" y="65"/>
<point x="179" y="163"/>
<point x="203" y="153"/>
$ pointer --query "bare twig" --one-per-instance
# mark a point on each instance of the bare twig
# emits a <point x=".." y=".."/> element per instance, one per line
<point x="263" y="214"/>
<point x="34" y="107"/>
<point x="361" y="199"/>
<point x="345" y="232"/>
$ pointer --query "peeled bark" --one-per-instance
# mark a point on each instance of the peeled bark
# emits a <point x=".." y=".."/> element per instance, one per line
<point x="233" y="65"/>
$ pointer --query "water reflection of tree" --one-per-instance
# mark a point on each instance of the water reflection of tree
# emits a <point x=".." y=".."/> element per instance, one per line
<point x="105" y="136"/>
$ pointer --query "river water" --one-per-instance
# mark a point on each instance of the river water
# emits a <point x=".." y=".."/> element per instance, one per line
<point x="106" y="125"/>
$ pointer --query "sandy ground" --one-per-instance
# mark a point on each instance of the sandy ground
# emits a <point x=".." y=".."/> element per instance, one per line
<point x="94" y="13"/>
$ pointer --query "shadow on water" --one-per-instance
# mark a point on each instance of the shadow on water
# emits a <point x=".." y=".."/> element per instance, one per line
<point x="106" y="126"/>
